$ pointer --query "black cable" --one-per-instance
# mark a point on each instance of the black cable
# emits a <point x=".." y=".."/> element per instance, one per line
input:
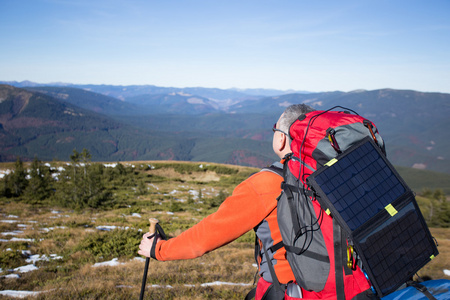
<point x="310" y="228"/>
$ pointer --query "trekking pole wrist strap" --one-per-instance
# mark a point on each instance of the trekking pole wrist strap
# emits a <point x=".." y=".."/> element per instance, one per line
<point x="158" y="233"/>
<point x="152" y="251"/>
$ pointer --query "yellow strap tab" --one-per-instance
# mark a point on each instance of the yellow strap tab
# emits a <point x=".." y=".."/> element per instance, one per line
<point x="331" y="162"/>
<point x="391" y="210"/>
<point x="328" y="212"/>
<point x="432" y="257"/>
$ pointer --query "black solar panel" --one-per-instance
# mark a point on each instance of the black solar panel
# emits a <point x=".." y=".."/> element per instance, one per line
<point x="396" y="249"/>
<point x="368" y="198"/>
<point x="359" y="185"/>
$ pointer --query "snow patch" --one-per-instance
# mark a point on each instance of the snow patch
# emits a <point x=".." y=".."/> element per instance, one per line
<point x="160" y="286"/>
<point x="139" y="259"/>
<point x="18" y="294"/>
<point x="14" y="239"/>
<point x="48" y="229"/>
<point x="216" y="283"/>
<point x="111" y="227"/>
<point x="3" y="173"/>
<point x="112" y="263"/>
<point x="16" y="232"/>
<point x="25" y="269"/>
<point x="419" y="166"/>
<point x="8" y="221"/>
<point x="35" y="258"/>
<point x="110" y="165"/>
<point x="12" y="276"/>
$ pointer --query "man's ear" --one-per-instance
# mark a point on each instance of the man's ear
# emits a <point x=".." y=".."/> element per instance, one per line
<point x="282" y="142"/>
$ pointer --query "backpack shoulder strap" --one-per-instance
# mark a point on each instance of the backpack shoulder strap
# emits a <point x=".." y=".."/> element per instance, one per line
<point x="276" y="168"/>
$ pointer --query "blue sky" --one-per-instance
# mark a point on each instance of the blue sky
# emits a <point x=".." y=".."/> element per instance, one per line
<point x="301" y="45"/>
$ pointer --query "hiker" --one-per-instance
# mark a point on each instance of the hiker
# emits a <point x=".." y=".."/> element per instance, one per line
<point x="252" y="205"/>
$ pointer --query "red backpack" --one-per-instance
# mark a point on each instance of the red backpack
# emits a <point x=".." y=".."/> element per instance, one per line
<point x="345" y="214"/>
<point x="315" y="244"/>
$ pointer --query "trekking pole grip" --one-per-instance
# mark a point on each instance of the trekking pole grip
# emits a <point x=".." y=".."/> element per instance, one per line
<point x="152" y="228"/>
<point x="152" y="231"/>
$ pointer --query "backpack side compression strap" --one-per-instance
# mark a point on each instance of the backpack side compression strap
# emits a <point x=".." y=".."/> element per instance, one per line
<point x="278" y="286"/>
<point x="338" y="261"/>
<point x="276" y="247"/>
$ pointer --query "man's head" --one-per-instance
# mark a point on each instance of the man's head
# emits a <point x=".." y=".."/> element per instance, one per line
<point x="291" y="113"/>
<point x="281" y="140"/>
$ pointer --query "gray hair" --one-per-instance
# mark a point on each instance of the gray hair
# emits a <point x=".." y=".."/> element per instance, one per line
<point x="291" y="113"/>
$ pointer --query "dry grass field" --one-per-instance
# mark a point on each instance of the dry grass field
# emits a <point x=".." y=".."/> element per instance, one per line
<point x="50" y="252"/>
<point x="223" y="274"/>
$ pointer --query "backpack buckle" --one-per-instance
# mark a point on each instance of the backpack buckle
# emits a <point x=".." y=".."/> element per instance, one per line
<point x="286" y="158"/>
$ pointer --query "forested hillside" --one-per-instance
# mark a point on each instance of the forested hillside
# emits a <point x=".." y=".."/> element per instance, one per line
<point x="174" y="123"/>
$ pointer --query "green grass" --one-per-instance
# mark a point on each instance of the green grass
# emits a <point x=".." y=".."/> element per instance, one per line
<point x="418" y="180"/>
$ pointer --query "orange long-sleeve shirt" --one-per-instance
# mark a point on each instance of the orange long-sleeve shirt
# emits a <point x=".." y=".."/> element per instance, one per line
<point x="251" y="202"/>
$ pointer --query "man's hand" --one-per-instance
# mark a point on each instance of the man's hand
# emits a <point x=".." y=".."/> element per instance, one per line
<point x="146" y="244"/>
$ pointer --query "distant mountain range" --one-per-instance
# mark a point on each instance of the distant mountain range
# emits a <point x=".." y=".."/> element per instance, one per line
<point x="203" y="124"/>
<point x="121" y="92"/>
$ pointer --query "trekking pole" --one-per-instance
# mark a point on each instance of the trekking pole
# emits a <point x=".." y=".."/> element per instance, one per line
<point x="152" y="231"/>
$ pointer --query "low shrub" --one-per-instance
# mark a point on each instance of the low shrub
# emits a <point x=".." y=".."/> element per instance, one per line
<point x="112" y="244"/>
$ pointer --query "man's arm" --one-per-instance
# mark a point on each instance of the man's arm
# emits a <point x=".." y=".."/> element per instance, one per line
<point x="250" y="203"/>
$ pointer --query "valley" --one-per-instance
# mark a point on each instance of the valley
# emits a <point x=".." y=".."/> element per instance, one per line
<point x="119" y="123"/>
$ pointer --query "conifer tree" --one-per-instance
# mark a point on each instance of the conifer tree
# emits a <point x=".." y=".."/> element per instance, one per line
<point x="73" y="184"/>
<point x="17" y="181"/>
<point x="40" y="181"/>
<point x="82" y="184"/>
<point x="444" y="214"/>
<point x="141" y="188"/>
